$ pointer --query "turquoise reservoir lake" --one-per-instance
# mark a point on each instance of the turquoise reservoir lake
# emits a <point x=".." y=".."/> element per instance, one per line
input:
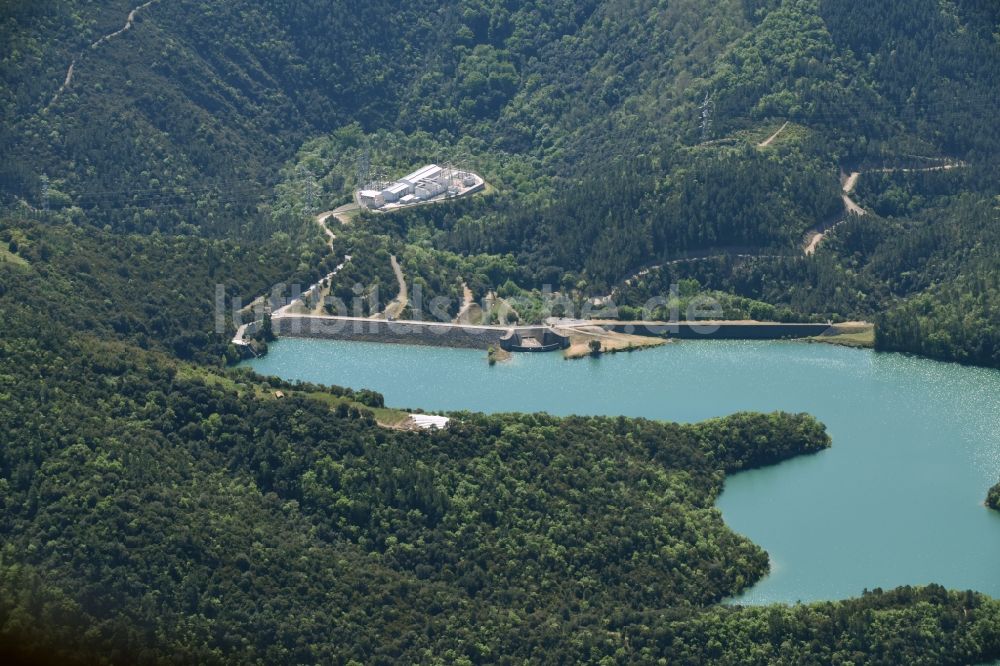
<point x="898" y="499"/>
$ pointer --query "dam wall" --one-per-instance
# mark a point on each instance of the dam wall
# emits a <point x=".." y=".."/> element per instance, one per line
<point x="378" y="330"/>
<point x="522" y="338"/>
<point x="719" y="330"/>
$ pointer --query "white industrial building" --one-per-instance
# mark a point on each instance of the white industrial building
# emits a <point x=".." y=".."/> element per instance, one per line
<point x="425" y="189"/>
<point x="429" y="172"/>
<point x="425" y="183"/>
<point x="371" y="198"/>
<point x="396" y="191"/>
<point x="429" y="421"/>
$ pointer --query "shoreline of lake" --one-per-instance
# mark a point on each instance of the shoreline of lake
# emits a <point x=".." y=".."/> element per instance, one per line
<point x="897" y="499"/>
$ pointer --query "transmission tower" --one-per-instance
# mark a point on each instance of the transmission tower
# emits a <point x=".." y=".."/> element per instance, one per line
<point x="378" y="176"/>
<point x="45" y="192"/>
<point x="309" y="185"/>
<point x="364" y="168"/>
<point x="463" y="160"/>
<point x="449" y="24"/>
<point x="707" y="109"/>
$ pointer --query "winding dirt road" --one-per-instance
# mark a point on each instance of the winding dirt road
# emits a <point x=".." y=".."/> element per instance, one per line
<point x="848" y="183"/>
<point x="129" y="22"/>
<point x="69" y="80"/>
<point x="769" y="140"/>
<point x="740" y="252"/>
<point x="321" y="221"/>
<point x="816" y="235"/>
<point x="398" y="304"/>
<point x="464" y="312"/>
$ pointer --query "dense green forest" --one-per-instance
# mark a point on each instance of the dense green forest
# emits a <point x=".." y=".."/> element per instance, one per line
<point x="163" y="511"/>
<point x="156" y="291"/>
<point x="596" y="196"/>
<point x="618" y="135"/>
<point x="158" y="507"/>
<point x="158" y="511"/>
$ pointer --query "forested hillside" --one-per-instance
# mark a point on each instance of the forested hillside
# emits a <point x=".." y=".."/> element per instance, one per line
<point x="636" y="175"/>
<point x="155" y="291"/>
<point x="161" y="512"/>
<point x="157" y="507"/>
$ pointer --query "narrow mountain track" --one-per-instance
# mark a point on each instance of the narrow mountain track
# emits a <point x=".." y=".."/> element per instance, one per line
<point x="467" y="303"/>
<point x="129" y="22"/>
<point x="769" y="140"/>
<point x="398" y="304"/>
<point x="813" y="237"/>
<point x="65" y="84"/>
<point x="321" y="221"/>
<point x="848" y="182"/>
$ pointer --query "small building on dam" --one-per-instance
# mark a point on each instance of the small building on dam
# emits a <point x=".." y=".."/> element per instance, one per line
<point x="539" y="339"/>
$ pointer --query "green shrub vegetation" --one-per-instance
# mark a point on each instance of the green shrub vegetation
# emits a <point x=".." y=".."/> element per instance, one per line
<point x="159" y="511"/>
<point x="157" y="514"/>
<point x="591" y="197"/>
<point x="993" y="498"/>
<point x="155" y="291"/>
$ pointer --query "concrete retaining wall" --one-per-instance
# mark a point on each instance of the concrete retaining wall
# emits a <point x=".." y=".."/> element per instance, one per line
<point x="544" y="338"/>
<point x="247" y="331"/>
<point x="408" y="332"/>
<point x="481" y="337"/>
<point x="721" y="330"/>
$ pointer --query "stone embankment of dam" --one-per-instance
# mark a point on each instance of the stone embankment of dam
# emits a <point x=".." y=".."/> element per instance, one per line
<point x="525" y="338"/>
<point x="380" y="330"/>
<point x="718" y="330"/>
